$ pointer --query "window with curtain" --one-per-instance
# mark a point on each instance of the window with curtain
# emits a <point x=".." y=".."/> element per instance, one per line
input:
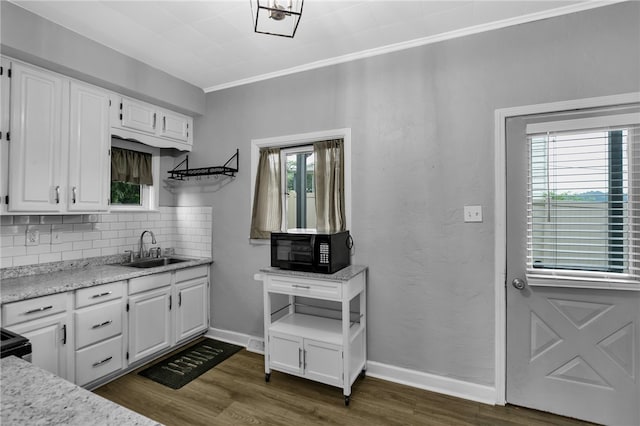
<point x="583" y="206"/>
<point x="299" y="187"/>
<point x="130" y="171"/>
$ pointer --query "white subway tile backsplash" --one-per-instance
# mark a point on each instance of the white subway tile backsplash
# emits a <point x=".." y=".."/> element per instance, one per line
<point x="186" y="229"/>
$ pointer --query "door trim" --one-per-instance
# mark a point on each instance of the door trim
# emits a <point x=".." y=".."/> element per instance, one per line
<point x="500" y="207"/>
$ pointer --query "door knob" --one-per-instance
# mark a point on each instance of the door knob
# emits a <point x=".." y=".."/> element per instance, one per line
<point x="518" y="283"/>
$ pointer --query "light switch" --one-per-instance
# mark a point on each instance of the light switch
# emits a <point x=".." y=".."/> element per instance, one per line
<point x="473" y="213"/>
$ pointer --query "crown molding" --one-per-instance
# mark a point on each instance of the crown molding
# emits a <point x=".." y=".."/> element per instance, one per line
<point x="476" y="29"/>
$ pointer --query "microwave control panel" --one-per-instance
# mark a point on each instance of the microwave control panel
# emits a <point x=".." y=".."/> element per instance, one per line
<point x="324" y="253"/>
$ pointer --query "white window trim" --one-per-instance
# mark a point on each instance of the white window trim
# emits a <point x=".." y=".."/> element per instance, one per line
<point x="304" y="139"/>
<point x="150" y="193"/>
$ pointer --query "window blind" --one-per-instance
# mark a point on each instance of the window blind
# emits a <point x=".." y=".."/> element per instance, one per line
<point x="584" y="197"/>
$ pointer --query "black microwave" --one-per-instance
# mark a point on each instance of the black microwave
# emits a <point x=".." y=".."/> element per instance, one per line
<point x="311" y="252"/>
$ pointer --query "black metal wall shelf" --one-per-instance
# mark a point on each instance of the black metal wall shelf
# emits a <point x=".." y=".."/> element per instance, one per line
<point x="186" y="173"/>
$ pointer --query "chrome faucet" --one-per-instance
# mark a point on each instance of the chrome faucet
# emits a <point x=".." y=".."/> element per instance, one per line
<point x="153" y="241"/>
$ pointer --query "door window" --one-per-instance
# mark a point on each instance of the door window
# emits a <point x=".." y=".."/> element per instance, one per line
<point x="582" y="213"/>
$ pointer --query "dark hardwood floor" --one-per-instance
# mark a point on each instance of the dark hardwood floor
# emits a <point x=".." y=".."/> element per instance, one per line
<point x="235" y="393"/>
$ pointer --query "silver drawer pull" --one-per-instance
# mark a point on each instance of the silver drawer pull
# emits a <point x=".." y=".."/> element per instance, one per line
<point x="101" y="294"/>
<point x="44" y="308"/>
<point x="307" y="287"/>
<point x="103" y="324"/>
<point x="99" y="363"/>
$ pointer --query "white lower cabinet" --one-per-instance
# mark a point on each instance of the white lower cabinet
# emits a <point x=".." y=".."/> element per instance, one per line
<point x="149" y="323"/>
<point x="320" y="341"/>
<point x="192" y="313"/>
<point x="99" y="360"/>
<point x="91" y="335"/>
<point x="98" y="328"/>
<point x="45" y="322"/>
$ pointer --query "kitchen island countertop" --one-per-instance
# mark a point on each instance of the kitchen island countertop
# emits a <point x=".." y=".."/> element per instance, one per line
<point x="33" y="396"/>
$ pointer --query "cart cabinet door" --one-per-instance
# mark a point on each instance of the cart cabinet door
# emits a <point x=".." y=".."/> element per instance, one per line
<point x="323" y="362"/>
<point x="285" y="353"/>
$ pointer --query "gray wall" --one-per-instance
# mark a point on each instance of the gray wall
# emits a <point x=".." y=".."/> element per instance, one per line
<point x="423" y="147"/>
<point x="28" y="37"/>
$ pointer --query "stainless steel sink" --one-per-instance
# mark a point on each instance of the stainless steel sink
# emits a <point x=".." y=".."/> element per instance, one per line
<point x="155" y="262"/>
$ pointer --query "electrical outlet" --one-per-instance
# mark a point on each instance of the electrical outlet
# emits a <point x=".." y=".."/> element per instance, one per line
<point x="33" y="237"/>
<point x="473" y="213"/>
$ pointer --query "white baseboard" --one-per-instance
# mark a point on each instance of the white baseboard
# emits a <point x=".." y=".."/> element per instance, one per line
<point x="252" y="343"/>
<point x="434" y="383"/>
<point x="417" y="379"/>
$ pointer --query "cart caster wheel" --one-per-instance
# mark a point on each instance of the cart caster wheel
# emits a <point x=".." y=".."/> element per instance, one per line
<point x="363" y="373"/>
<point x="347" y="399"/>
<point x="267" y="377"/>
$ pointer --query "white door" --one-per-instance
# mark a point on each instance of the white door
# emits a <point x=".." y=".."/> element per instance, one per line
<point x="149" y="323"/>
<point x="191" y="314"/>
<point x="323" y="362"/>
<point x="174" y="126"/>
<point x="138" y="116"/>
<point x="48" y="338"/>
<point x="89" y="145"/>
<point x="36" y="150"/>
<point x="285" y="353"/>
<point x="573" y="322"/>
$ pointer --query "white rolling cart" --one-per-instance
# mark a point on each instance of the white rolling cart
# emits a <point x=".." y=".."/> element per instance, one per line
<point x="318" y="328"/>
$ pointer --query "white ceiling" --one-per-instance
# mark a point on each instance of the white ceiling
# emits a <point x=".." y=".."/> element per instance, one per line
<point x="212" y="45"/>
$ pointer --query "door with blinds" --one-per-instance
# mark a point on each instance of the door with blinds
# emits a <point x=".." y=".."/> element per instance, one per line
<point x="573" y="259"/>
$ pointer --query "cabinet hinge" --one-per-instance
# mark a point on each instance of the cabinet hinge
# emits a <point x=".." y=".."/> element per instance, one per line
<point x="109" y="152"/>
<point x="120" y="106"/>
<point x="0" y="136"/>
<point x="1" y="70"/>
<point x="127" y="307"/>
<point x="9" y="72"/>
<point x="8" y="136"/>
<point x="127" y="354"/>
<point x="6" y="199"/>
<point x="109" y="102"/>
<point x="108" y="201"/>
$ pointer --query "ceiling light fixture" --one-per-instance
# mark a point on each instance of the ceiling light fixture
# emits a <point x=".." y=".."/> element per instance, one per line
<point x="276" y="17"/>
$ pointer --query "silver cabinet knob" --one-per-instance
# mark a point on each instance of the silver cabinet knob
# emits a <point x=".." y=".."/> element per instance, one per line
<point x="518" y="283"/>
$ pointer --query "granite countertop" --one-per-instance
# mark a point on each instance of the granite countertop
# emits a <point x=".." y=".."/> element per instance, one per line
<point x="344" y="274"/>
<point x="43" y="284"/>
<point x="33" y="396"/>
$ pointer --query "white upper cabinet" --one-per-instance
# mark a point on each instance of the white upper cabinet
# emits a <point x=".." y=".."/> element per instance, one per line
<point x="37" y="144"/>
<point x="60" y="142"/>
<point x="5" y="92"/>
<point x="174" y="126"/>
<point x="138" y="116"/>
<point x="151" y="125"/>
<point x="89" y="147"/>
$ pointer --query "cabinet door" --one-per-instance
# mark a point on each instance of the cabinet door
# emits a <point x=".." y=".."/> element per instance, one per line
<point x="138" y="116"/>
<point x="5" y="96"/>
<point x="36" y="140"/>
<point x="48" y="337"/>
<point x="174" y="126"/>
<point x="149" y="323"/>
<point x="323" y="362"/>
<point x="89" y="145"/>
<point x="191" y="313"/>
<point x="285" y="353"/>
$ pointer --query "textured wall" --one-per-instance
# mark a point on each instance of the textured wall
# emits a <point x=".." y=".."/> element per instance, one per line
<point x="423" y="147"/>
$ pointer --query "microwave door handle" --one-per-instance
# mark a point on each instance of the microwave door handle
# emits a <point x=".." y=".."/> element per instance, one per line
<point x="313" y="249"/>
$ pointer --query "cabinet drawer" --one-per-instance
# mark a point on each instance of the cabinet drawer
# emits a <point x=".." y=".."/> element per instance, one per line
<point x="98" y="360"/>
<point x="301" y="287"/>
<point x="149" y="282"/>
<point x="30" y="309"/>
<point x="191" y="273"/>
<point x="98" y="323"/>
<point x="98" y="294"/>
